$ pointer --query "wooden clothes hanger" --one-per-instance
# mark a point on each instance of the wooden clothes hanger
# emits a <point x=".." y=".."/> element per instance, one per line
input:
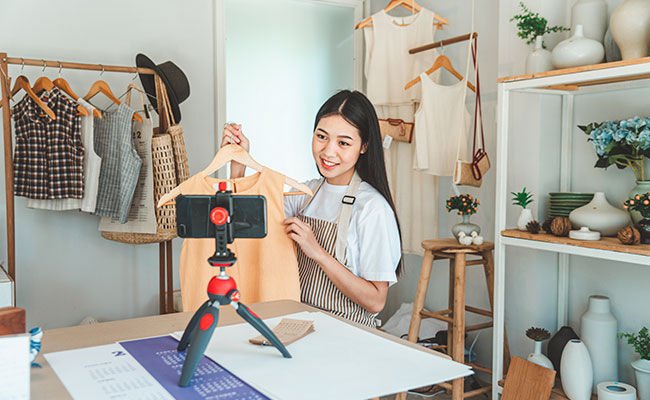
<point x="102" y="87"/>
<point x="22" y="83"/>
<point x="410" y="5"/>
<point x="226" y="154"/>
<point x="65" y="88"/>
<point x="444" y="62"/>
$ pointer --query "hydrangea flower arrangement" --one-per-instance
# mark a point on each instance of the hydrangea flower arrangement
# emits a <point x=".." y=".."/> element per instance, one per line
<point x="625" y="143"/>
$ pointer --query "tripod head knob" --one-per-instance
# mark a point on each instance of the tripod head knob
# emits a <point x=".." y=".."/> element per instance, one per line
<point x="219" y="216"/>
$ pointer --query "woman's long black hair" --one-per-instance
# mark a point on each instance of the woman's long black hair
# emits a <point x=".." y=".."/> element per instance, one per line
<point x="357" y="110"/>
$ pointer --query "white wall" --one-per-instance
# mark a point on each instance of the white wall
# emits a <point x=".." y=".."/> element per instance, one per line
<point x="64" y="269"/>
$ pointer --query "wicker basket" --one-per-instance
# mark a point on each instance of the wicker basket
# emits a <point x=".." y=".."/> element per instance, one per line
<point x="164" y="180"/>
<point x="176" y="132"/>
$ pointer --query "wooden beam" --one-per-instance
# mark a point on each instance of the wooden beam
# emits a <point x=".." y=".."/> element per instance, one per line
<point x="444" y="42"/>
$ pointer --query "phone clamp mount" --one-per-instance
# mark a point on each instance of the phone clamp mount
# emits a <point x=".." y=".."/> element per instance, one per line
<point x="222" y="291"/>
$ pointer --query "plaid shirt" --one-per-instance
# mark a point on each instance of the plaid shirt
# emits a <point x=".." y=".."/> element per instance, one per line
<point x="48" y="157"/>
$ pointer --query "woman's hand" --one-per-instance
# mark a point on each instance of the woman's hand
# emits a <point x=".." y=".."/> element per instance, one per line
<point x="302" y="234"/>
<point x="232" y="134"/>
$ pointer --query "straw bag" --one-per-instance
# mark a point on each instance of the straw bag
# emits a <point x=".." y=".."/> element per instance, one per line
<point x="178" y="142"/>
<point x="398" y="129"/>
<point x="471" y="172"/>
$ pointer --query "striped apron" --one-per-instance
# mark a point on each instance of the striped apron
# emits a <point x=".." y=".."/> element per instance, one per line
<point x="316" y="289"/>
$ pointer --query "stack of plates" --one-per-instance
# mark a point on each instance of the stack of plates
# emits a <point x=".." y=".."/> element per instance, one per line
<point x="562" y="203"/>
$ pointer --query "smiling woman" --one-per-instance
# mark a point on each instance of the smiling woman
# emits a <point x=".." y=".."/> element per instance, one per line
<point x="348" y="237"/>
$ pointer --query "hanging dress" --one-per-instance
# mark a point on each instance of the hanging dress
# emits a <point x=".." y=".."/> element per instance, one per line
<point x="266" y="269"/>
<point x="388" y="67"/>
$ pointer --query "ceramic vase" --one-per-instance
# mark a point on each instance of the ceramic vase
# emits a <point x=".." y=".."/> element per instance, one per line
<point x="630" y="26"/>
<point x="525" y="217"/>
<point x="643" y="227"/>
<point x="577" y="374"/>
<point x="592" y="15"/>
<point x="598" y="330"/>
<point x="556" y="345"/>
<point x="577" y="51"/>
<point x="641" y="187"/>
<point x="538" y="358"/>
<point x="539" y="59"/>
<point x="466" y="227"/>
<point x="642" y="374"/>
<point x="612" y="52"/>
<point x="598" y="215"/>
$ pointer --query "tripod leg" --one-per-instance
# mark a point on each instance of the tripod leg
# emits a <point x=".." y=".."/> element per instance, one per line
<point x="191" y="326"/>
<point x="258" y="324"/>
<point x="198" y="343"/>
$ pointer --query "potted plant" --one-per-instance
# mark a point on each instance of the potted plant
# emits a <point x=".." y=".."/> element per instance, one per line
<point x="641" y="343"/>
<point x="532" y="28"/>
<point x="641" y="204"/>
<point x="624" y="143"/>
<point x="523" y="199"/>
<point x="466" y="206"/>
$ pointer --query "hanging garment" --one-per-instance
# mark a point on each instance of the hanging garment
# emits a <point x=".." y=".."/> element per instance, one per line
<point x="49" y="154"/>
<point x="362" y="236"/>
<point x="120" y="163"/>
<point x="91" y="168"/>
<point x="389" y="66"/>
<point x="266" y="269"/>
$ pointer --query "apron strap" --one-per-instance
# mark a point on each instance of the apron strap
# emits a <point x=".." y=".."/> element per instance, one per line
<point x="308" y="198"/>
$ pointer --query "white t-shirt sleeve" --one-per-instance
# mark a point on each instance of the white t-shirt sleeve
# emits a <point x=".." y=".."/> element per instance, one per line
<point x="293" y="203"/>
<point x="378" y="241"/>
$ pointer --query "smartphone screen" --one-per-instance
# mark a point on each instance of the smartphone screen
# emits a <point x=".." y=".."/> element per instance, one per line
<point x="248" y="217"/>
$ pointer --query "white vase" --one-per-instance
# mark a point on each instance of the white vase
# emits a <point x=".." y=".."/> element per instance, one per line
<point x="642" y="374"/>
<point x="539" y="59"/>
<point x="538" y="358"/>
<point x="577" y="51"/>
<point x="630" y="26"/>
<point x="525" y="217"/>
<point x="598" y="330"/>
<point x="599" y="215"/>
<point x="592" y="15"/>
<point x="576" y="371"/>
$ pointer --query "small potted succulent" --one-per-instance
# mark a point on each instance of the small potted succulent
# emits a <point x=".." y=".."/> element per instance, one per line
<point x="641" y="343"/>
<point x="523" y="199"/>
<point x="641" y="203"/>
<point x="466" y="206"/>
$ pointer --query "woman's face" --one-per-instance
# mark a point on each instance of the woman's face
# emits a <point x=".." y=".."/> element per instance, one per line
<point x="336" y="147"/>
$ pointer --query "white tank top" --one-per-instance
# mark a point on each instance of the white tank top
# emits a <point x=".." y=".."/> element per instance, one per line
<point x="389" y="66"/>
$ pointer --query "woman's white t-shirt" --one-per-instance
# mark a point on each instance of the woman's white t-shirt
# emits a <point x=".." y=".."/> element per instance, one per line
<point x="373" y="245"/>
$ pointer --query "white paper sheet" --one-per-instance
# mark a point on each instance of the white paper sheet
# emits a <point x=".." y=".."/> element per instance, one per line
<point x="104" y="372"/>
<point x="14" y="367"/>
<point x="337" y="361"/>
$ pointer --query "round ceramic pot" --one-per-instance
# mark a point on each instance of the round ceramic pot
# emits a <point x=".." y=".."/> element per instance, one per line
<point x="525" y="217"/>
<point x="539" y="59"/>
<point x="643" y="227"/>
<point x="641" y="187"/>
<point x="465" y="227"/>
<point x="642" y="374"/>
<point x="598" y="215"/>
<point x="577" y="51"/>
<point x="592" y="15"/>
<point x="598" y="331"/>
<point x="577" y="373"/>
<point x="630" y="26"/>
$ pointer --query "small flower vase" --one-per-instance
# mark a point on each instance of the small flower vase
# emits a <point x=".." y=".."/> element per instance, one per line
<point x="538" y="358"/>
<point x="644" y="229"/>
<point x="525" y="217"/>
<point x="640" y="188"/>
<point x="642" y="374"/>
<point x="539" y="59"/>
<point x="577" y="51"/>
<point x="466" y="227"/>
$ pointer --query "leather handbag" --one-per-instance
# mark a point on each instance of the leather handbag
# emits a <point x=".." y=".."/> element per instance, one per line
<point x="471" y="172"/>
<point x="398" y="129"/>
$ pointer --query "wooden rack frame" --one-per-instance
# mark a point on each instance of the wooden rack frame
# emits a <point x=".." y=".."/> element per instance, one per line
<point x="442" y="43"/>
<point x="166" y="303"/>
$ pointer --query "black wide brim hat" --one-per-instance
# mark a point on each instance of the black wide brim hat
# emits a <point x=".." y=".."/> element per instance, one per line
<point x="178" y="87"/>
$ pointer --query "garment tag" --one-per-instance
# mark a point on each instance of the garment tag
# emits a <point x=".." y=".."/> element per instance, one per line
<point x="387" y="141"/>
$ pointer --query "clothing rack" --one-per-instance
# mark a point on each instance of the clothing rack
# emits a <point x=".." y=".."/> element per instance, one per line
<point x="165" y="248"/>
<point x="445" y="42"/>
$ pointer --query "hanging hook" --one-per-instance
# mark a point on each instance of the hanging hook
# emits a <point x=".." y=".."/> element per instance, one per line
<point x="60" y="67"/>
<point x="135" y="75"/>
<point x="442" y="47"/>
<point x="101" y="73"/>
<point x="44" y="66"/>
<point x="22" y="65"/>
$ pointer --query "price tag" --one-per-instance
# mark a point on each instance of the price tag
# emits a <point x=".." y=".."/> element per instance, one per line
<point x="387" y="141"/>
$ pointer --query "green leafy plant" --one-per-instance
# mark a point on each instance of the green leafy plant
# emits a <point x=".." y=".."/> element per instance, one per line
<point x="538" y="334"/>
<point x="465" y="204"/>
<point x="640" y="341"/>
<point x="531" y="25"/>
<point x="640" y="203"/>
<point x="522" y="198"/>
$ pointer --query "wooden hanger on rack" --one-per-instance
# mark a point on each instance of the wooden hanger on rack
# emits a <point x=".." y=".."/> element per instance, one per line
<point x="63" y="85"/>
<point x="102" y="87"/>
<point x="441" y="62"/>
<point x="410" y="5"/>
<point x="226" y="154"/>
<point x="22" y="83"/>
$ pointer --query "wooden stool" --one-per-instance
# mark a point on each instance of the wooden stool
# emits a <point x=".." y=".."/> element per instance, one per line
<point x="455" y="314"/>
